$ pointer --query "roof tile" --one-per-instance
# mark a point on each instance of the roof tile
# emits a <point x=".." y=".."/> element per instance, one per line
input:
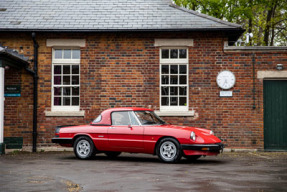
<point x="103" y="15"/>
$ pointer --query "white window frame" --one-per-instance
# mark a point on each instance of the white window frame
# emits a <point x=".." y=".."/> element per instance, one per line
<point x="174" y="62"/>
<point x="64" y="62"/>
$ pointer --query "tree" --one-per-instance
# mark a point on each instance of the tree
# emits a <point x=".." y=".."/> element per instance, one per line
<point x="265" y="19"/>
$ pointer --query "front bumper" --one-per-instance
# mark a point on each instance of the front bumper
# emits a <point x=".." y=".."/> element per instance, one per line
<point x="62" y="140"/>
<point x="217" y="147"/>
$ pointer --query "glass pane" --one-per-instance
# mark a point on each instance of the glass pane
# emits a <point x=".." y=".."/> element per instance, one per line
<point x="173" y="91"/>
<point x="173" y="79"/>
<point x="182" y="69"/>
<point x="173" y="101"/>
<point x="182" y="79"/>
<point x="165" y="53"/>
<point x="66" y="80"/>
<point x="164" y="101"/>
<point x="182" y="101"/>
<point x="75" y="69"/>
<point x="57" y="69"/>
<point x="182" y="90"/>
<point x="66" y="69"/>
<point x="57" y="80"/>
<point x="58" y="53"/>
<point x="133" y="119"/>
<point x="164" y="79"/>
<point x="76" y="54"/>
<point x="75" y="91"/>
<point x="164" y="90"/>
<point x="75" y="80"/>
<point x="57" y="101"/>
<point x="120" y="118"/>
<point x="75" y="101"/>
<point x="66" y="101"/>
<point x="182" y="53"/>
<point x="174" y="53"/>
<point x="66" y="91"/>
<point x="67" y="54"/>
<point x="57" y="90"/>
<point x="164" y="69"/>
<point x="174" y="69"/>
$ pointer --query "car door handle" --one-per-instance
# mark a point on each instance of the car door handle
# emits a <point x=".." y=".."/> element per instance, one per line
<point x="111" y="127"/>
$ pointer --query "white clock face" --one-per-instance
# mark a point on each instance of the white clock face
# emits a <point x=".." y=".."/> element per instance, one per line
<point x="225" y="79"/>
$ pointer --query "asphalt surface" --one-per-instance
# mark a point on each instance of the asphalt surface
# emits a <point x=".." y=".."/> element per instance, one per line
<point x="61" y="171"/>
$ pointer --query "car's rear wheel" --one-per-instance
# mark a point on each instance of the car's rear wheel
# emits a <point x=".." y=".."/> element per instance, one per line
<point x="192" y="157"/>
<point x="84" y="148"/>
<point x="112" y="154"/>
<point x="168" y="150"/>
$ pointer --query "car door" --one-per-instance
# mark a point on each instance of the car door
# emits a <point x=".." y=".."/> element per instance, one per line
<point x="125" y="134"/>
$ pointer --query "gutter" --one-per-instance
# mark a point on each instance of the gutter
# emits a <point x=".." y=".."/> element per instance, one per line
<point x="240" y="30"/>
<point x="35" y="91"/>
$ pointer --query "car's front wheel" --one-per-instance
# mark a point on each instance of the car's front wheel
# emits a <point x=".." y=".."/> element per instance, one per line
<point x="84" y="148"/>
<point x="168" y="150"/>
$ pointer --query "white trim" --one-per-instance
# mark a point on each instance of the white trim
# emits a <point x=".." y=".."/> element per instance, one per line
<point x="173" y="42"/>
<point x="175" y="113"/>
<point x="65" y="108"/>
<point x="2" y="82"/>
<point x="174" y="108"/>
<point x="65" y="62"/>
<point x="66" y="42"/>
<point x="271" y="74"/>
<point x="174" y="62"/>
<point x="64" y="113"/>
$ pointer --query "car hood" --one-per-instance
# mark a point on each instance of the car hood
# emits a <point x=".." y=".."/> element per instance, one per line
<point x="203" y="135"/>
<point x="195" y="129"/>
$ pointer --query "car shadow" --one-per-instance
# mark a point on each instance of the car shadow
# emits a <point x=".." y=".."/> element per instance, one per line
<point x="148" y="159"/>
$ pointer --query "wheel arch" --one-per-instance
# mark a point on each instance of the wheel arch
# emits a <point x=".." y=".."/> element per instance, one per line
<point x="161" y="138"/>
<point x="82" y="135"/>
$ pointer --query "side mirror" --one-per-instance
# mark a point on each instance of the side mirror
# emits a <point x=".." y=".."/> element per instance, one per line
<point x="129" y="126"/>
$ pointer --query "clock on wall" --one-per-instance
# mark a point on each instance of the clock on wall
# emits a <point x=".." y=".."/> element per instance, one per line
<point x="225" y="79"/>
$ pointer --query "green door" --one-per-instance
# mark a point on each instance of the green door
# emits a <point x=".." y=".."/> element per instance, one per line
<point x="275" y="115"/>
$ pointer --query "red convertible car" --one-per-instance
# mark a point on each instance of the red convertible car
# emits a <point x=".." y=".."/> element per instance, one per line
<point x="137" y="130"/>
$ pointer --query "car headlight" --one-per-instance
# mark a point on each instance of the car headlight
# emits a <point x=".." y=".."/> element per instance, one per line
<point x="192" y="136"/>
<point x="211" y="133"/>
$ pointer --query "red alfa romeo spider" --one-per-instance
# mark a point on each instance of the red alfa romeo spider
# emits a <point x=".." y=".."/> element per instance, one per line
<point x="137" y="130"/>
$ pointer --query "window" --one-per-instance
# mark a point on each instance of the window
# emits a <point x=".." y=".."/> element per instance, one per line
<point x="66" y="80"/>
<point x="124" y="118"/>
<point x="148" y="118"/>
<point x="174" y="79"/>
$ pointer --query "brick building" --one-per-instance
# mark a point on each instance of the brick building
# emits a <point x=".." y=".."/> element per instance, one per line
<point x="93" y="55"/>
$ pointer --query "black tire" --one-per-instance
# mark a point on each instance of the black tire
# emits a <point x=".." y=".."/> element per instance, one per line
<point x="84" y="148"/>
<point x="169" y="151"/>
<point x="192" y="157"/>
<point x="112" y="155"/>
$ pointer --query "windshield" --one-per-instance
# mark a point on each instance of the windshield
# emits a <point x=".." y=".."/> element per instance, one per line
<point x="148" y="118"/>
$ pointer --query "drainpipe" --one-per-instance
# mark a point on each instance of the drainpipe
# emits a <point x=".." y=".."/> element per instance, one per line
<point x="35" y="102"/>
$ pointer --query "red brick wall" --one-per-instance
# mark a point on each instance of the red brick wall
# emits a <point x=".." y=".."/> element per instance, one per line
<point x="120" y="69"/>
<point x="18" y="114"/>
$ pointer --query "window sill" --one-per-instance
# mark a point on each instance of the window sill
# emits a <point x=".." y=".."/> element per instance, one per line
<point x="175" y="113"/>
<point x="64" y="113"/>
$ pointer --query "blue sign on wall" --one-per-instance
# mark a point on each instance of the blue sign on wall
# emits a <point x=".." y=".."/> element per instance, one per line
<point x="12" y="91"/>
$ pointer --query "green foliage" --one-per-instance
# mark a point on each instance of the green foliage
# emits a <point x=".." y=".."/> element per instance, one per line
<point x="266" y="19"/>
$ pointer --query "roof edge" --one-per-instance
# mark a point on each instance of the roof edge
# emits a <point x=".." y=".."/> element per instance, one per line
<point x="205" y="16"/>
<point x="123" y="30"/>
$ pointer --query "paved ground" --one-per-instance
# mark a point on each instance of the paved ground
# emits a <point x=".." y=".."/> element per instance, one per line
<point x="61" y="171"/>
